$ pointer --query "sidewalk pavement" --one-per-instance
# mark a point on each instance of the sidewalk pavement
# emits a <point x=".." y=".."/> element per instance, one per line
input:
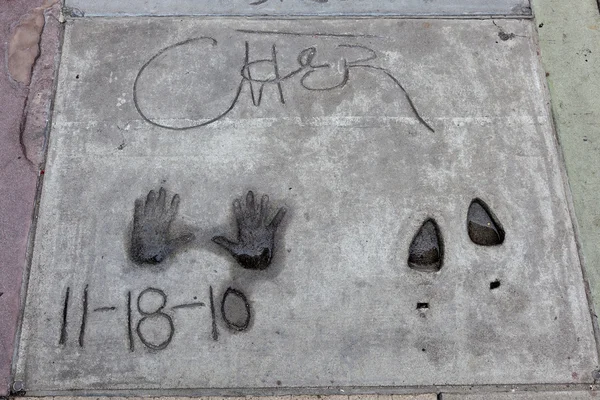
<point x="29" y="40"/>
<point x="569" y="35"/>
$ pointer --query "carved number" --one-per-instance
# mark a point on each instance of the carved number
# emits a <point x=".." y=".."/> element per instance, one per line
<point x="158" y="313"/>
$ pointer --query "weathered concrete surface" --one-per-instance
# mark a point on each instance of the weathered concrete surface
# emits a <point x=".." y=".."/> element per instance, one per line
<point x="24" y="91"/>
<point x="570" y="47"/>
<point x="524" y="396"/>
<point x="300" y="7"/>
<point x="339" y="146"/>
<point x="336" y="397"/>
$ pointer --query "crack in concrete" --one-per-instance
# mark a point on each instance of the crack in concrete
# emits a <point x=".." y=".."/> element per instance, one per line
<point x="22" y="129"/>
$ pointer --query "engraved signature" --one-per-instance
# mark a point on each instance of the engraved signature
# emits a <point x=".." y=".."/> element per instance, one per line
<point x="307" y="68"/>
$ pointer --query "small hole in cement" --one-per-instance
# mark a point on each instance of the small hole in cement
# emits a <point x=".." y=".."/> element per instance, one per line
<point x="423" y="350"/>
<point x="76" y="76"/>
<point x="278" y="383"/>
<point x="422" y="306"/>
<point x="494" y="284"/>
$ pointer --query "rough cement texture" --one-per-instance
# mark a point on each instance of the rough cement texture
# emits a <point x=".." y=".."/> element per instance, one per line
<point x="569" y="34"/>
<point x="525" y="396"/>
<point x="336" y="397"/>
<point x="333" y="138"/>
<point x="300" y="7"/>
<point x="18" y="173"/>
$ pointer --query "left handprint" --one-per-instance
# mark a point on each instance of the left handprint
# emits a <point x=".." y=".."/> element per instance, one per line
<point x="151" y="238"/>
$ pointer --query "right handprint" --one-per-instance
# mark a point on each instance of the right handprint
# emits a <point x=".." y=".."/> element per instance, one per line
<point x="256" y="238"/>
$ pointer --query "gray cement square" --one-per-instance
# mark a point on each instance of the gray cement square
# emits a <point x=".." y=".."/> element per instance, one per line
<point x="362" y="130"/>
<point x="519" y="8"/>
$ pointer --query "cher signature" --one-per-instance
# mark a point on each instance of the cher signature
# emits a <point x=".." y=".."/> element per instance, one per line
<point x="307" y="67"/>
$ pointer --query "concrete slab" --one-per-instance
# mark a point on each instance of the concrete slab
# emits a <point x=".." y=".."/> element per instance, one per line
<point x="19" y="170"/>
<point x="524" y="396"/>
<point x="363" y="133"/>
<point x="300" y="7"/>
<point x="337" y="397"/>
<point x="570" y="44"/>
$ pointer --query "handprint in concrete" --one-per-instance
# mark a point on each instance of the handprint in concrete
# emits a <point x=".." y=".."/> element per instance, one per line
<point x="151" y="238"/>
<point x="256" y="237"/>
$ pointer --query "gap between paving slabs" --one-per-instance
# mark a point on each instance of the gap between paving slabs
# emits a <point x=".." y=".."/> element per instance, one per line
<point x="565" y="395"/>
<point x="289" y="397"/>
<point x="296" y="8"/>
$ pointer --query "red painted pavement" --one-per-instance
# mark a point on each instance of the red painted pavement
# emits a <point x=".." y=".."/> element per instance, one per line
<point x="22" y="126"/>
